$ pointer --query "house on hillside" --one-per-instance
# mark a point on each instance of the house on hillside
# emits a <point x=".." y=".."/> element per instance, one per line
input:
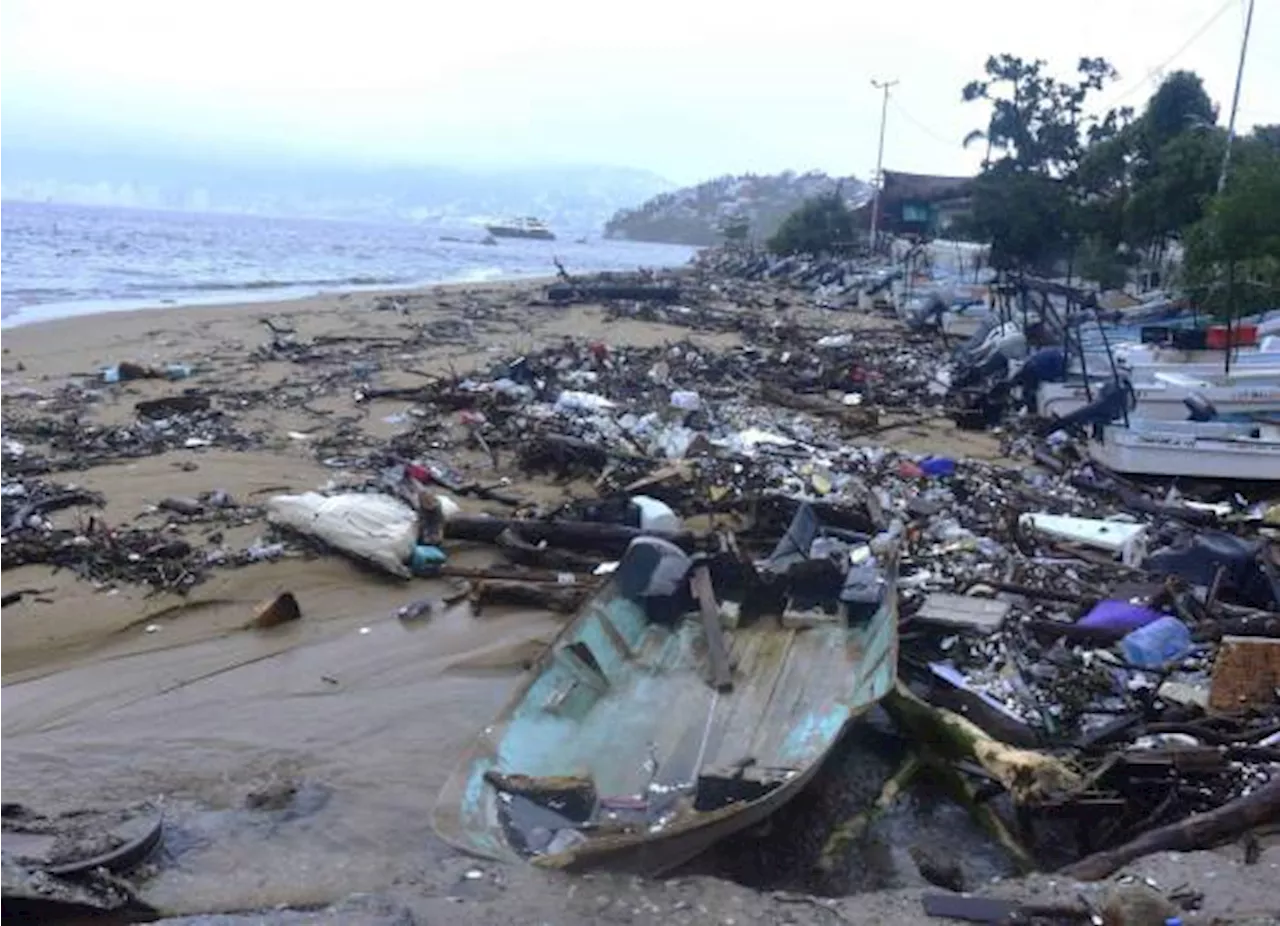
<point x="919" y="204"/>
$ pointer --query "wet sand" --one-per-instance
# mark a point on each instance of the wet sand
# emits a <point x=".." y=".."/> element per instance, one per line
<point x="113" y="696"/>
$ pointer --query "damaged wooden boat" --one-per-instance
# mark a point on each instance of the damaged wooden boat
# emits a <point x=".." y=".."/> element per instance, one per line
<point x="623" y="749"/>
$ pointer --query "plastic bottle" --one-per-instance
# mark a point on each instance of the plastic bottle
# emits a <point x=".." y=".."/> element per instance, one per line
<point x="1158" y="643"/>
<point x="889" y="538"/>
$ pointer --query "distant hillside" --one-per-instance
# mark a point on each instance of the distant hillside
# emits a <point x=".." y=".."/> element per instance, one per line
<point x="574" y="200"/>
<point x="696" y="215"/>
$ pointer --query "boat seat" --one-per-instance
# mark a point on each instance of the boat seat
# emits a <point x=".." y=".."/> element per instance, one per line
<point x="1181" y="379"/>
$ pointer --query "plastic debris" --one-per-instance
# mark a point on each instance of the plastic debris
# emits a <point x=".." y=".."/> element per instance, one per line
<point x="1157" y="643"/>
<point x="378" y="529"/>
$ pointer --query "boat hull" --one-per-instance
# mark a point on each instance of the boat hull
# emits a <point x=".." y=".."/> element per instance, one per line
<point x="540" y="234"/>
<point x="1161" y="402"/>
<point x="795" y="693"/>
<point x="1209" y="451"/>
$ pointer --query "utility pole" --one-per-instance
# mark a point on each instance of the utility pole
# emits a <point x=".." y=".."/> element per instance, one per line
<point x="879" y="177"/>
<point x="1222" y="182"/>
<point x="1235" y="99"/>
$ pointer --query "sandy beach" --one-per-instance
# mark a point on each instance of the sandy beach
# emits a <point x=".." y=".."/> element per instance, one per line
<point x="218" y="343"/>
<point x="114" y="693"/>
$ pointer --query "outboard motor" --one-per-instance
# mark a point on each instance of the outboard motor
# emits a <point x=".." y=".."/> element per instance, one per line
<point x="1200" y="407"/>
<point x="995" y="366"/>
<point x="965" y="350"/>
<point x="1113" y="400"/>
<point x="1006" y="339"/>
<point x="925" y="311"/>
<point x="1047" y="365"/>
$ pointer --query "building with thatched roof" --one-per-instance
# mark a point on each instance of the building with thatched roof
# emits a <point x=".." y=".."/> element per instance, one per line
<point x="919" y="204"/>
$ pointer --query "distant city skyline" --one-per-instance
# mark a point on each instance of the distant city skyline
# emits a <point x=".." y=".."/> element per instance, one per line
<point x="686" y="90"/>
<point x="580" y="198"/>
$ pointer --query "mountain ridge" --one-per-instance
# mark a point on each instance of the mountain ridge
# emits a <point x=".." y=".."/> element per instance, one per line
<point x="572" y="199"/>
<point x="698" y="215"/>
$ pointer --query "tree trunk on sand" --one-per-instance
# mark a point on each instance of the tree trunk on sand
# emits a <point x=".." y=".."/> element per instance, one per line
<point x="1026" y="774"/>
<point x="591" y="536"/>
<point x="1195" y="832"/>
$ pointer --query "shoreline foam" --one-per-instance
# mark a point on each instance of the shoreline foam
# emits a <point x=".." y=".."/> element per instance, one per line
<point x="48" y="312"/>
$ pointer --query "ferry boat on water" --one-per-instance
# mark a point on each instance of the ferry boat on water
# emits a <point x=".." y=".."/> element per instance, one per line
<point x="527" y="227"/>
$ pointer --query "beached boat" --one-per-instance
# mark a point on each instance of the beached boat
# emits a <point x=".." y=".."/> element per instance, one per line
<point x="527" y="227"/>
<point x="616" y="751"/>
<point x="1166" y="397"/>
<point x="1143" y="361"/>
<point x="1208" y="450"/>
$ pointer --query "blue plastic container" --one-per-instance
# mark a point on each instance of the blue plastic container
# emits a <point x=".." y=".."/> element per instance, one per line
<point x="938" y="466"/>
<point x="1163" y="641"/>
<point x="427" y="559"/>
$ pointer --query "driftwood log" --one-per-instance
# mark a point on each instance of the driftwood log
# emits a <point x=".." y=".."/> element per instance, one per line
<point x="1260" y="624"/>
<point x="503" y="572"/>
<point x="590" y="292"/>
<point x="1195" y="832"/>
<point x="589" y="536"/>
<point x="1026" y="774"/>
<point x="947" y="741"/>
<point x="851" y="416"/>
<point x="562" y="452"/>
<point x="563" y="599"/>
<point x="520" y="551"/>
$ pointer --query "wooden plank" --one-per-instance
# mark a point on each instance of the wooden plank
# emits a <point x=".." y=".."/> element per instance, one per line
<point x="1246" y="673"/>
<point x="970" y="909"/>
<point x="721" y="674"/>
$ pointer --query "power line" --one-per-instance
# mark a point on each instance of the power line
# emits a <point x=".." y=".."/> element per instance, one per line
<point x="1151" y="72"/>
<point x="900" y="110"/>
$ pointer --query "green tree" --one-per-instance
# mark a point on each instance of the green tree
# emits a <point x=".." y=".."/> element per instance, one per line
<point x="1268" y="135"/>
<point x="1031" y="200"/>
<point x="1174" y="187"/>
<point x="1180" y="104"/>
<point x="1176" y="151"/>
<point x="1123" y="185"/>
<point x="1101" y="261"/>
<point x="822" y="224"/>
<point x="1232" y="260"/>
<point x="1022" y="214"/>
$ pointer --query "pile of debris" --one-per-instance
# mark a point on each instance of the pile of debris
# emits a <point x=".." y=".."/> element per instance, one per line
<point x="1100" y="654"/>
<point x="1124" y="644"/>
<point x="41" y="443"/>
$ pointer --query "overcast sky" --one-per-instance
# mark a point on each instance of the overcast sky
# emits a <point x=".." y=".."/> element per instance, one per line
<point x="687" y="88"/>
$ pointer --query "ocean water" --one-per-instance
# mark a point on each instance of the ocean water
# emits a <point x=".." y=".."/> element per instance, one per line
<point x="62" y="260"/>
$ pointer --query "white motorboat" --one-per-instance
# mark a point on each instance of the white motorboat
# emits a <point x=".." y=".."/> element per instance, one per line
<point x="1206" y="450"/>
<point x="1164" y="397"/>
<point x="526" y="227"/>
<point x="1142" y="361"/>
